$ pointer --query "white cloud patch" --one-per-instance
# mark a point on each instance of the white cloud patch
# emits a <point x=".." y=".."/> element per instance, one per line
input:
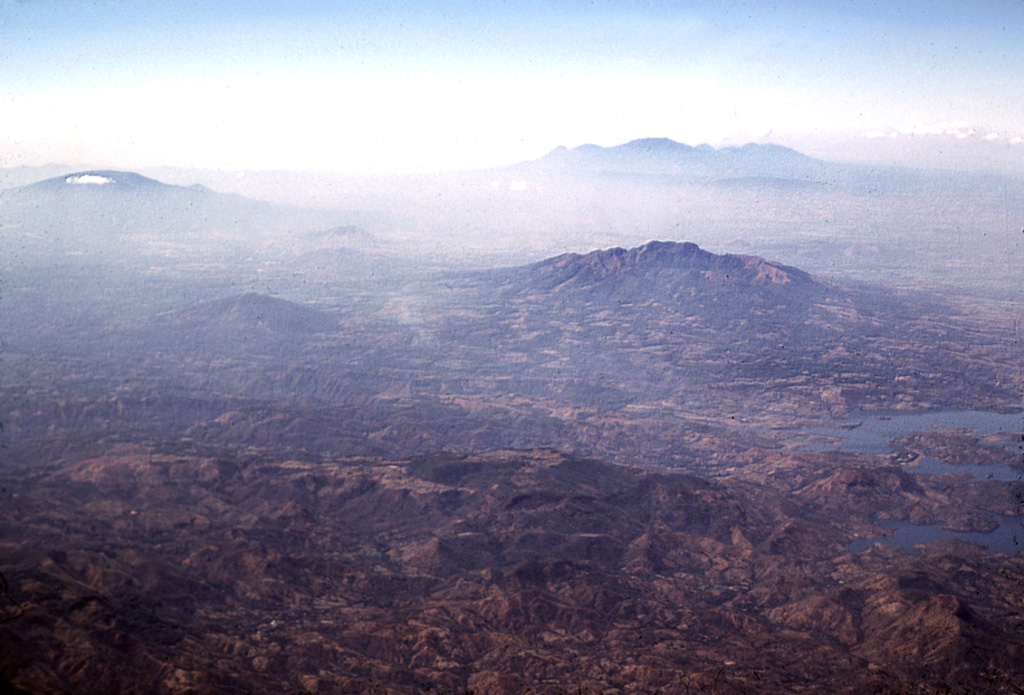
<point x="960" y="130"/>
<point x="918" y="129"/>
<point x="89" y="179"/>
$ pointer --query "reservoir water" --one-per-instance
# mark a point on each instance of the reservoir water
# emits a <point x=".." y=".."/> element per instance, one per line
<point x="1008" y="538"/>
<point x="993" y="471"/>
<point x="873" y="435"/>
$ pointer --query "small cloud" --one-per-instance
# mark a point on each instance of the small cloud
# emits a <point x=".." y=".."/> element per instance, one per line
<point x="518" y="186"/>
<point x="948" y="126"/>
<point x="918" y="129"/>
<point x="88" y="179"/>
<point x="1017" y="140"/>
<point x="961" y="130"/>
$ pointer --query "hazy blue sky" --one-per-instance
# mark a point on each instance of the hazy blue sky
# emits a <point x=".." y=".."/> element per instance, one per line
<point x="411" y="86"/>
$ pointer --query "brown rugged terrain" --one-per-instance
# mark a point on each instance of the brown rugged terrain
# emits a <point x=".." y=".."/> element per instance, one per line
<point x="500" y="573"/>
<point x="590" y="474"/>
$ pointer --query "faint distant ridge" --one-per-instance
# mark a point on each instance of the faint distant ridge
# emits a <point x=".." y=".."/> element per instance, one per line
<point x="660" y="262"/>
<point x="245" y="313"/>
<point x="245" y="322"/>
<point x="663" y="156"/>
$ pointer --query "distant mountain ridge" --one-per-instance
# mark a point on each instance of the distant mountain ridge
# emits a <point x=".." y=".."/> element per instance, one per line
<point x="667" y="157"/>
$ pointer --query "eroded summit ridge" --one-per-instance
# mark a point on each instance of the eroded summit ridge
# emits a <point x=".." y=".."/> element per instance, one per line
<point x="663" y="261"/>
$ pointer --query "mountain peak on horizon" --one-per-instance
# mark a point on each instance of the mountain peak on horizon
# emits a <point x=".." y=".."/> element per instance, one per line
<point x="663" y="145"/>
<point x="656" y="145"/>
